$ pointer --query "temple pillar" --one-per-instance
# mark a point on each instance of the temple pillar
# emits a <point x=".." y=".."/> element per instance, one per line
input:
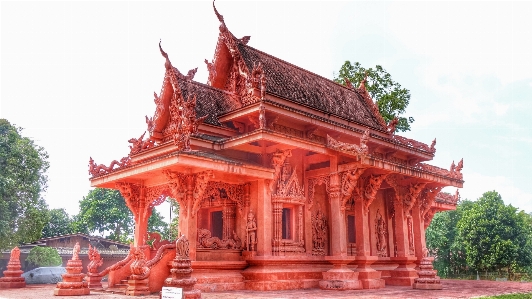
<point x="142" y="215"/>
<point x="401" y="232"/>
<point x="405" y="273"/>
<point x="340" y="277"/>
<point x="337" y="216"/>
<point x="419" y="232"/>
<point x="264" y="219"/>
<point x="362" y="229"/>
<point x="369" y="278"/>
<point x="191" y="228"/>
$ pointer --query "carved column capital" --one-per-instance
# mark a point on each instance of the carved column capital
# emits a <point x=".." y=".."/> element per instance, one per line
<point x="131" y="195"/>
<point x="350" y="185"/>
<point x="176" y="183"/>
<point x="201" y="181"/>
<point x="373" y="183"/>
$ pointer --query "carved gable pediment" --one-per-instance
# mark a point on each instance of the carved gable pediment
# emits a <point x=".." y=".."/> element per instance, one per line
<point x="288" y="187"/>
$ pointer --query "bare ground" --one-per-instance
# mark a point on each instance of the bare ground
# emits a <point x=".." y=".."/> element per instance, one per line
<point x="451" y="289"/>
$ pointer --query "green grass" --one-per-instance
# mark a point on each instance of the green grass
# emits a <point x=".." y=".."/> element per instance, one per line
<point x="511" y="296"/>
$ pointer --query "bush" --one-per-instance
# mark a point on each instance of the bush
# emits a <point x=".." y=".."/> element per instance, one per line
<point x="44" y="257"/>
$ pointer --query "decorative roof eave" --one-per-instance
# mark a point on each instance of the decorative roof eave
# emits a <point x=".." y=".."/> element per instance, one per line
<point x="191" y="160"/>
<point x="408" y="144"/>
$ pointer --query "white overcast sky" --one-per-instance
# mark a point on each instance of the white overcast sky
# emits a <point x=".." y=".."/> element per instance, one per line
<point x="80" y="76"/>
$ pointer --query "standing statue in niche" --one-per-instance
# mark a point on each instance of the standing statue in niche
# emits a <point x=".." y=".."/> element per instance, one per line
<point x="251" y="232"/>
<point x="380" y="231"/>
<point x="319" y="231"/>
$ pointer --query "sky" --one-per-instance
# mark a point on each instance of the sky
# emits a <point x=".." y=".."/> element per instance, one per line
<point x="79" y="76"/>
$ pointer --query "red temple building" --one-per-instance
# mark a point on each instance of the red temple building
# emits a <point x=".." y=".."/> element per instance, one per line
<point x="285" y="180"/>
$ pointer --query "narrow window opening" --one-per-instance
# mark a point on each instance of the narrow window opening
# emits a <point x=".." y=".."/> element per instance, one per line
<point x="287" y="224"/>
<point x="351" y="235"/>
<point x="217" y="224"/>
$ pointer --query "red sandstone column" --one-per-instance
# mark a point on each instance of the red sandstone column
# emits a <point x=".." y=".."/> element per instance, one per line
<point x="401" y="233"/>
<point x="264" y="219"/>
<point x="338" y="229"/>
<point x="191" y="227"/>
<point x="369" y="278"/>
<point x="362" y="229"/>
<point x="419" y="231"/>
<point x="404" y="274"/>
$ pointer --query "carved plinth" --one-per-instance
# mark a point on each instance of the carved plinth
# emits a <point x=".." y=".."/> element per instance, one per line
<point x="137" y="287"/>
<point x="181" y="270"/>
<point x="180" y="277"/>
<point x="427" y="276"/>
<point x="248" y="254"/>
<point x="368" y="277"/>
<point x="340" y="277"/>
<point x="404" y="274"/>
<point x="94" y="281"/>
<point x="12" y="276"/>
<point x="72" y="284"/>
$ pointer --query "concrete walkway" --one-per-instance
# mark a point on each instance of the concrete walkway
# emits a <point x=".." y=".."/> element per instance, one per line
<point x="451" y="289"/>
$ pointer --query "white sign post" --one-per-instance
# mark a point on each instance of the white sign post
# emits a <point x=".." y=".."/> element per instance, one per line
<point x="172" y="293"/>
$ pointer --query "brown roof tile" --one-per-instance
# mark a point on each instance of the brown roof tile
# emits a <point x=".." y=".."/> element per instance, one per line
<point x="298" y="85"/>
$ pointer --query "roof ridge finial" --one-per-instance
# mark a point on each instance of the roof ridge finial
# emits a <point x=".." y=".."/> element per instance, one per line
<point x="167" y="64"/>
<point x="218" y="15"/>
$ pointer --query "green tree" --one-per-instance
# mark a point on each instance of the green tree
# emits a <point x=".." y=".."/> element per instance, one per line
<point x="173" y="233"/>
<point x="389" y="96"/>
<point x="441" y="241"/>
<point x="44" y="257"/>
<point x="23" y="166"/>
<point x="495" y="236"/>
<point x="104" y="211"/>
<point x="58" y="223"/>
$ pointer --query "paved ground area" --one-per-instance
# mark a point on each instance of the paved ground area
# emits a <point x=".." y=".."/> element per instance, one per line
<point x="451" y="289"/>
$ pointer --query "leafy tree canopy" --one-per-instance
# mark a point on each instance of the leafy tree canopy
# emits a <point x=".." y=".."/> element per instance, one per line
<point x="495" y="235"/>
<point x="23" y="166"/>
<point x="58" y="223"/>
<point x="44" y="257"/>
<point x="389" y="96"/>
<point x="442" y="243"/>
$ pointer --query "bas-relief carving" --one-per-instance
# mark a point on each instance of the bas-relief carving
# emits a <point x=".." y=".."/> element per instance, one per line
<point x="360" y="150"/>
<point x="410" y="227"/>
<point x="278" y="158"/>
<point x="205" y="240"/>
<point x="287" y="191"/>
<point x="182" y="247"/>
<point x="381" y="235"/>
<point x="319" y="233"/>
<point x="312" y="183"/>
